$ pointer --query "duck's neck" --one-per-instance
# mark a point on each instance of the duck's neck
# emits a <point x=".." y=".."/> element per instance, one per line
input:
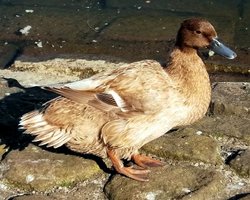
<point x="191" y="80"/>
<point x="185" y="63"/>
<point x="188" y="71"/>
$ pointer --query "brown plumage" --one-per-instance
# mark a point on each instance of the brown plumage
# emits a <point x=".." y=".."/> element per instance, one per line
<point x="113" y="114"/>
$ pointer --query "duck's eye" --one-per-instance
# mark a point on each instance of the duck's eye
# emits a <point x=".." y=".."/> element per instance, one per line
<point x="198" y="32"/>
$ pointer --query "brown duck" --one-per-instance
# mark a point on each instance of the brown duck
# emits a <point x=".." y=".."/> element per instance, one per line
<point x="113" y="114"/>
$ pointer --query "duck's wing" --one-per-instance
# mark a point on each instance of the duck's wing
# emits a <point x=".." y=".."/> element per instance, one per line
<point x="105" y="101"/>
<point x="128" y="89"/>
<point x="135" y="92"/>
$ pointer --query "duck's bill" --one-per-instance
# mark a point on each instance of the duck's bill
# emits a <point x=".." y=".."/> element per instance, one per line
<point x="219" y="48"/>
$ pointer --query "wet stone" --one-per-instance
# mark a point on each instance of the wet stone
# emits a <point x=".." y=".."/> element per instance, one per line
<point x="169" y="182"/>
<point x="243" y="26"/>
<point x="8" y="53"/>
<point x="74" y="24"/>
<point x="241" y="163"/>
<point x="185" y="144"/>
<point x="242" y="33"/>
<point x="41" y="170"/>
<point x="139" y="28"/>
<point x="231" y="70"/>
<point x="218" y="8"/>
<point x="57" y="3"/>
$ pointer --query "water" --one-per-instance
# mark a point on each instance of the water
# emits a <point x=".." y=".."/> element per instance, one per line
<point x="128" y="29"/>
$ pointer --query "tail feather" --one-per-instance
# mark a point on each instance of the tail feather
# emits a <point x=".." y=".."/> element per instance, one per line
<point x="44" y="136"/>
<point x="41" y="131"/>
<point x="48" y="134"/>
<point x="57" y="143"/>
<point x="34" y="116"/>
<point x="56" y="135"/>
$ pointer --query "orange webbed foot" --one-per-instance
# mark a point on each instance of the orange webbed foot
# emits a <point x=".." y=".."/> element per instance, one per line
<point x="146" y="161"/>
<point x="136" y="174"/>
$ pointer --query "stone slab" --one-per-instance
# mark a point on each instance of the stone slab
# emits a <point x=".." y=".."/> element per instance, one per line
<point x="40" y="170"/>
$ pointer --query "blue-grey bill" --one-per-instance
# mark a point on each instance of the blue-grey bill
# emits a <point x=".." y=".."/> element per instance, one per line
<point x="219" y="48"/>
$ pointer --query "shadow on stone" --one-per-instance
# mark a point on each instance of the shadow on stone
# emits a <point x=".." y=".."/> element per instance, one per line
<point x="240" y="196"/>
<point x="16" y="100"/>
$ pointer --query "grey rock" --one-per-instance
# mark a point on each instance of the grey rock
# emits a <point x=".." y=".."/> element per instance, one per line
<point x="241" y="163"/>
<point x="41" y="170"/>
<point x="91" y="189"/>
<point x="9" y="86"/>
<point x="230" y="127"/>
<point x="169" y="182"/>
<point x="231" y="99"/>
<point x="185" y="144"/>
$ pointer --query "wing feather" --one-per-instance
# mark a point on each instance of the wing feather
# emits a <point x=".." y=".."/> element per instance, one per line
<point x="129" y="88"/>
<point x="105" y="101"/>
<point x="46" y="133"/>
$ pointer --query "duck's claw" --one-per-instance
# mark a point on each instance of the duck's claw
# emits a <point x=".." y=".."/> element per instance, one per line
<point x="136" y="174"/>
<point x="145" y="161"/>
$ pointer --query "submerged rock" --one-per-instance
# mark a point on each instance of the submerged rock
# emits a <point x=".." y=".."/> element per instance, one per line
<point x="8" y="54"/>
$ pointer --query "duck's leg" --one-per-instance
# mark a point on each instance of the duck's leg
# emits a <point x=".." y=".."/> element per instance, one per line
<point x="137" y="174"/>
<point x="145" y="161"/>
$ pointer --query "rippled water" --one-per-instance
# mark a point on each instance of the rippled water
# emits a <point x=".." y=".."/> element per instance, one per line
<point x="128" y="29"/>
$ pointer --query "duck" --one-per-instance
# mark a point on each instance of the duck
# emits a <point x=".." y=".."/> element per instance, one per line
<point x="114" y="113"/>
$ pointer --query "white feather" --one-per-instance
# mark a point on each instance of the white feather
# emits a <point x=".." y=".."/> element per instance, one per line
<point x="85" y="84"/>
<point x="59" y="142"/>
<point x="39" y="124"/>
<point x="119" y="101"/>
<point x="56" y="135"/>
<point x="27" y="119"/>
<point x="66" y="139"/>
<point x="43" y="137"/>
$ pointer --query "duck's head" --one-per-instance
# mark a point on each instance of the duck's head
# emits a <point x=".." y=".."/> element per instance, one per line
<point x="199" y="33"/>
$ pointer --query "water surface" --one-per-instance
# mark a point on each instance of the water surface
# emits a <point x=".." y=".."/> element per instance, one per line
<point x="128" y="29"/>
